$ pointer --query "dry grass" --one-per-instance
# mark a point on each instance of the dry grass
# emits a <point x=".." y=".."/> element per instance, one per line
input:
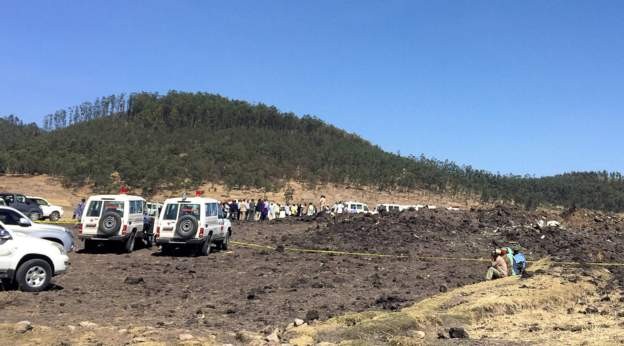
<point x="544" y="309"/>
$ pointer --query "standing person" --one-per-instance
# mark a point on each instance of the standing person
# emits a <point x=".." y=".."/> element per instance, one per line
<point x="79" y="209"/>
<point x="242" y="210"/>
<point x="264" y="211"/>
<point x="322" y="204"/>
<point x="310" y="209"/>
<point x="234" y="210"/>
<point x="251" y="210"/>
<point x="259" y="207"/>
<point x="499" y="266"/>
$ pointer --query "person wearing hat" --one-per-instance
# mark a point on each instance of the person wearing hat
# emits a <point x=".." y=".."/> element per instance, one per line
<point x="499" y="266"/>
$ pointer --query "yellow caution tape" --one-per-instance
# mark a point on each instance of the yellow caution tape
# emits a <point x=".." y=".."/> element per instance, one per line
<point x="57" y="222"/>
<point x="335" y="252"/>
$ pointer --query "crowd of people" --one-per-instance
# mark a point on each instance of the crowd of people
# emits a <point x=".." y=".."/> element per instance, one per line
<point x="263" y="210"/>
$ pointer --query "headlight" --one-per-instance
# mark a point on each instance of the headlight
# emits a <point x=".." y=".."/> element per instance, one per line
<point x="60" y="248"/>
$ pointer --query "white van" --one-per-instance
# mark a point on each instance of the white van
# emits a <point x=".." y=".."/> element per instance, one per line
<point x="112" y="218"/>
<point x="356" y="207"/>
<point x="196" y="221"/>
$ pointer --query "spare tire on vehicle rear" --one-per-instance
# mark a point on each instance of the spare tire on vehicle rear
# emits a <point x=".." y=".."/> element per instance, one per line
<point x="187" y="227"/>
<point x="110" y="223"/>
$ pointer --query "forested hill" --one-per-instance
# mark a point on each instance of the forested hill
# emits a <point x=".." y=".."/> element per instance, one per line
<point x="183" y="139"/>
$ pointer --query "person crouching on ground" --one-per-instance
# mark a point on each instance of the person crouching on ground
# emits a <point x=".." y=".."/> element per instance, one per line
<point x="499" y="266"/>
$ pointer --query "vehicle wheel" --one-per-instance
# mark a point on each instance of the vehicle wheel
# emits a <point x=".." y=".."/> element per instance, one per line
<point x="129" y="244"/>
<point x="55" y="216"/>
<point x="110" y="223"/>
<point x="223" y="246"/>
<point x="34" y="216"/>
<point x="205" y="248"/>
<point x="187" y="227"/>
<point x="33" y="275"/>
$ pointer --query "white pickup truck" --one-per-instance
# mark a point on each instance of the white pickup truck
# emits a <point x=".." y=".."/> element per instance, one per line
<point x="29" y="262"/>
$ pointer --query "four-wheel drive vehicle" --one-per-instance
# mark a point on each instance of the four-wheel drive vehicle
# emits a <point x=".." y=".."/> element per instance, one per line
<point x="15" y="221"/>
<point x="113" y="218"/>
<point x="196" y="221"/>
<point x="23" y="204"/>
<point x="30" y="262"/>
<point x="356" y="207"/>
<point x="52" y="212"/>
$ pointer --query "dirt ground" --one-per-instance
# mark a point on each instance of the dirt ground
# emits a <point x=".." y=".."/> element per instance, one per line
<point x="256" y="289"/>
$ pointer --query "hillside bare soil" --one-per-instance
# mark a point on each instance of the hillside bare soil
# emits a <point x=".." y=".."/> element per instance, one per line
<point x="147" y="297"/>
<point x="52" y="189"/>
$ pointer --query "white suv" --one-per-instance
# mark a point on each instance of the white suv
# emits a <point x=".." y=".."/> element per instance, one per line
<point x="29" y="262"/>
<point x="52" y="212"/>
<point x="113" y="218"/>
<point x="356" y="207"/>
<point x="196" y="221"/>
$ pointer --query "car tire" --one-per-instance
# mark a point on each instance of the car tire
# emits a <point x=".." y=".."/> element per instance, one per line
<point x="224" y="244"/>
<point x="205" y="247"/>
<point x="33" y="275"/>
<point x="187" y="227"/>
<point x="110" y="223"/>
<point x="129" y="243"/>
<point x="34" y="216"/>
<point x="55" y="216"/>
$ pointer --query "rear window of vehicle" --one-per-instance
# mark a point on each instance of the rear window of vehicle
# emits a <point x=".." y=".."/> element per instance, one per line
<point x="94" y="209"/>
<point x="171" y="212"/>
<point x="189" y="209"/>
<point x="116" y="206"/>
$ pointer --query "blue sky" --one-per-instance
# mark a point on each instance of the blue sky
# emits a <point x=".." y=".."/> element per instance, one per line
<point x="531" y="87"/>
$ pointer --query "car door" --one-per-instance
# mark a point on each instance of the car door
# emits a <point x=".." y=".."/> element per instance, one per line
<point x="135" y="215"/>
<point x="212" y="219"/>
<point x="221" y="220"/>
<point x="168" y="219"/>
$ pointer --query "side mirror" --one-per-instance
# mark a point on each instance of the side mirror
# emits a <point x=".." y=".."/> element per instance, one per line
<point x="24" y="222"/>
<point x="5" y="235"/>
